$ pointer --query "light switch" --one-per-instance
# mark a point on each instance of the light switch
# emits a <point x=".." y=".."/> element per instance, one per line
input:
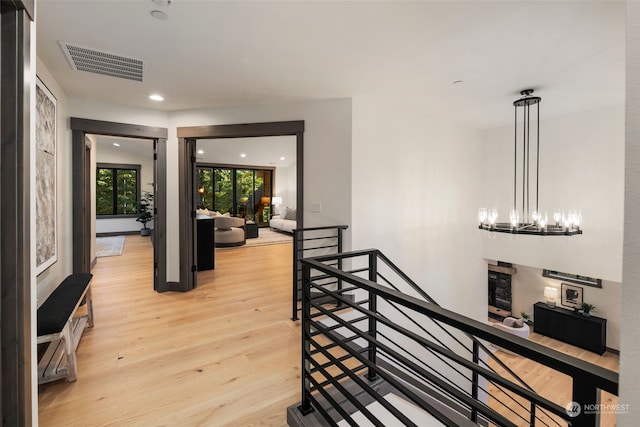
<point x="316" y="207"/>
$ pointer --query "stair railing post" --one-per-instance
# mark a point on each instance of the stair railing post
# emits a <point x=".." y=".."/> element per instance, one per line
<point x="305" y="405"/>
<point x="474" y="381"/>
<point x="584" y="408"/>
<point x="339" y="231"/>
<point x="373" y="307"/>
<point x="294" y="286"/>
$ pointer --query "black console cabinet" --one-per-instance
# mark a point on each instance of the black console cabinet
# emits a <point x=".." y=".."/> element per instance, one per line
<point x="589" y="333"/>
<point x="206" y="237"/>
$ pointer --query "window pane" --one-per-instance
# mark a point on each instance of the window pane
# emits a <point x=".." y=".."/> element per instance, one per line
<point x="263" y="196"/>
<point x="223" y="186"/>
<point x="127" y="192"/>
<point x="245" y="193"/>
<point x="104" y="192"/>
<point x="205" y="188"/>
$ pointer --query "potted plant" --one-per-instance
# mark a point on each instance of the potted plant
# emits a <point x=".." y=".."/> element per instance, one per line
<point x="587" y="309"/>
<point x="525" y="317"/>
<point x="145" y="212"/>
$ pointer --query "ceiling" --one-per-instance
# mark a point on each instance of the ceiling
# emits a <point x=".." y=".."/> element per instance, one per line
<point x="219" y="53"/>
<point x="270" y="151"/>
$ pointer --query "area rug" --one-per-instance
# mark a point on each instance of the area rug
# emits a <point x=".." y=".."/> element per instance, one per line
<point x="109" y="246"/>
<point x="269" y="237"/>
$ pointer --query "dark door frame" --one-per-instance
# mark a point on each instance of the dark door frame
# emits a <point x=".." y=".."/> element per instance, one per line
<point x="82" y="183"/>
<point x="187" y="138"/>
<point x="16" y="87"/>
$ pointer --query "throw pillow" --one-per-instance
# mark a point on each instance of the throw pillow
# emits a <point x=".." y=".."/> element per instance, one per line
<point x="513" y="322"/>
<point x="290" y="214"/>
<point x="509" y="321"/>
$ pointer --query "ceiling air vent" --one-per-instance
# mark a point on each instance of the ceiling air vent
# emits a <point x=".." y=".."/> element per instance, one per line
<point x="104" y="63"/>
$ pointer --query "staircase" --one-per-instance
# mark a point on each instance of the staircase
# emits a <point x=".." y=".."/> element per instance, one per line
<point x="383" y="353"/>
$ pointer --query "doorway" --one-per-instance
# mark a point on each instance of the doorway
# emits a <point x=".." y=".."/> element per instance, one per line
<point x="82" y="181"/>
<point x="188" y="179"/>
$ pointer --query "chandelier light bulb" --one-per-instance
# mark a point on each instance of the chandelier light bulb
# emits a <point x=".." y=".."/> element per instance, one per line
<point x="482" y="215"/>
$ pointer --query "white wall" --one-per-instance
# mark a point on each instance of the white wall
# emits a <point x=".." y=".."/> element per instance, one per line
<point x="286" y="187"/>
<point x="527" y="288"/>
<point x="415" y="186"/>
<point x="116" y="155"/>
<point x="630" y="340"/>
<point x="327" y="158"/>
<point x="581" y="167"/>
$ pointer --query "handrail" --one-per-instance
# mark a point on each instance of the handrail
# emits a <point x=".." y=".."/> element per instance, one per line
<point x="587" y="378"/>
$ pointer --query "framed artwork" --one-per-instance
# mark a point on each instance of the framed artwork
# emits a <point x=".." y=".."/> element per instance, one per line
<point x="571" y="295"/>
<point x="46" y="132"/>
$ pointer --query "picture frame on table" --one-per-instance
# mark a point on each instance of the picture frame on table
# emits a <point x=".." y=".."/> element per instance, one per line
<point x="571" y="295"/>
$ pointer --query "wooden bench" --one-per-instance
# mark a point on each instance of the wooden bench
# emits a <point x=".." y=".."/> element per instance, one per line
<point x="58" y="326"/>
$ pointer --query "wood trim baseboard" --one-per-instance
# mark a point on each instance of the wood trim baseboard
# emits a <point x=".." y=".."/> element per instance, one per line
<point x="117" y="233"/>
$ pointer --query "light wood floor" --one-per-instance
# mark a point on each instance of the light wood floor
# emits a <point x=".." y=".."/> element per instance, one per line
<point x="549" y="383"/>
<point x="224" y="354"/>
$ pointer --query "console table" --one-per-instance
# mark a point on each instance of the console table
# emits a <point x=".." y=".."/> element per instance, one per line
<point x="565" y="325"/>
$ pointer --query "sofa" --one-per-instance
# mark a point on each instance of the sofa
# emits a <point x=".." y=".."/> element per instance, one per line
<point x="229" y="230"/>
<point x="514" y="326"/>
<point x="286" y="222"/>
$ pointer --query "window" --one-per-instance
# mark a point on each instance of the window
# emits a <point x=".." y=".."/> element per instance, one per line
<point x="244" y="192"/>
<point x="574" y="278"/>
<point x="117" y="190"/>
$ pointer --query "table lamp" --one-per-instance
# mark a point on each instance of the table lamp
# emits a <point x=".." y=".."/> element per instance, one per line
<point x="551" y="294"/>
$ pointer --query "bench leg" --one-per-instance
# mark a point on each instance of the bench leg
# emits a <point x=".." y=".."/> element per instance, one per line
<point x="89" y="301"/>
<point x="70" y="351"/>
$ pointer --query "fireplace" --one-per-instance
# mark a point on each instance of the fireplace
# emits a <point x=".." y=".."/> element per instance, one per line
<point x="499" y="296"/>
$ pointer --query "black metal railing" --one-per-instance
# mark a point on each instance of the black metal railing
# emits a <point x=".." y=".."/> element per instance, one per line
<point x="310" y="242"/>
<point x="422" y="352"/>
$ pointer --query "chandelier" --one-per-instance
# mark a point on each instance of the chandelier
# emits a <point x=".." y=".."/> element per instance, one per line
<point x="526" y="217"/>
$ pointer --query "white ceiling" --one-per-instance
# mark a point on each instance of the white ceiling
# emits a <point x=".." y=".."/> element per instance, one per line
<point x="273" y="151"/>
<point x="216" y="53"/>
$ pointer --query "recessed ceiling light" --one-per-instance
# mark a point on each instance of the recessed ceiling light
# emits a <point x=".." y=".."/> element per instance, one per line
<point x="243" y="155"/>
<point x="115" y="144"/>
<point x="281" y="158"/>
<point x="200" y="151"/>
<point x="158" y="14"/>
<point x="156" y="97"/>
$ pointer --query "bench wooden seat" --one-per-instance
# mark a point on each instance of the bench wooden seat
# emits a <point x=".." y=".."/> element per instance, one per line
<point x="58" y="326"/>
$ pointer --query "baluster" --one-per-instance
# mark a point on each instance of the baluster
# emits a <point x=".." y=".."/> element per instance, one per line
<point x="373" y="307"/>
<point x="474" y="381"/>
<point x="305" y="406"/>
